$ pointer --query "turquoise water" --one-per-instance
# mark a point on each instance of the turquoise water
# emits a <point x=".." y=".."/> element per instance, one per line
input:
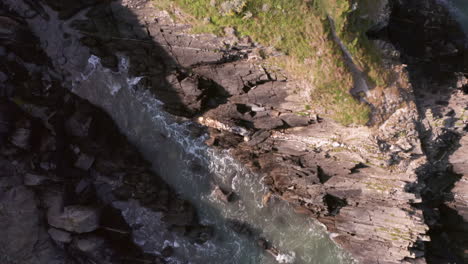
<point x="192" y="168"/>
<point x="178" y="154"/>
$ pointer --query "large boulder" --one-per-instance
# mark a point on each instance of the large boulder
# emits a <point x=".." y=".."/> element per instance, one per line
<point x="19" y="213"/>
<point x="22" y="229"/>
<point x="75" y="218"/>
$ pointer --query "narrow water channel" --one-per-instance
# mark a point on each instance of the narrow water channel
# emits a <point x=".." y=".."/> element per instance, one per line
<point x="179" y="155"/>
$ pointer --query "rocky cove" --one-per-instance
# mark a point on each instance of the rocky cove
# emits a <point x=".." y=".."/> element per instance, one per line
<point x="76" y="190"/>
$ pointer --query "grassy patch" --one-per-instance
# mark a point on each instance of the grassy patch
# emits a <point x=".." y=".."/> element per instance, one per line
<point x="300" y="30"/>
<point x="351" y="24"/>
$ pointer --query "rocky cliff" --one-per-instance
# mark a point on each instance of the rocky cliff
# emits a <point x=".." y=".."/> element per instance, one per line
<point x="63" y="167"/>
<point x="393" y="192"/>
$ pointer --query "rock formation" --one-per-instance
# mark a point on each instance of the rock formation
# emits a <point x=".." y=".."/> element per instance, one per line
<point x="384" y="192"/>
<point x="63" y="163"/>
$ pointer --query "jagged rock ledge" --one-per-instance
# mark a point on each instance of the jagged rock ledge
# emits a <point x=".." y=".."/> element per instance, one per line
<point x="63" y="167"/>
<point x="357" y="181"/>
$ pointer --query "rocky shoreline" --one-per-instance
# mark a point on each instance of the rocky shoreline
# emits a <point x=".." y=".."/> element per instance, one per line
<point x="63" y="166"/>
<point x="383" y="192"/>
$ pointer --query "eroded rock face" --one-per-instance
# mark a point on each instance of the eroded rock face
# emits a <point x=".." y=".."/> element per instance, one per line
<point x="22" y="223"/>
<point x="456" y="213"/>
<point x="255" y="113"/>
<point x="434" y="60"/>
<point x="62" y="165"/>
<point x="361" y="183"/>
<point x="459" y="161"/>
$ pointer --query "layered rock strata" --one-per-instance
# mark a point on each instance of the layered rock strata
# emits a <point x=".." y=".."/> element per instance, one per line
<point x="365" y="184"/>
<point x="64" y="165"/>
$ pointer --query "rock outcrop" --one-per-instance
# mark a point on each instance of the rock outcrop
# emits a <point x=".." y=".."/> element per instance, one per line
<point x="459" y="161"/>
<point x="435" y="59"/>
<point x="367" y="185"/>
<point x="63" y="165"/>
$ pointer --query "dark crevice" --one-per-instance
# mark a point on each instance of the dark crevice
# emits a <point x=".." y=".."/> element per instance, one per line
<point x="118" y="232"/>
<point x="379" y="31"/>
<point x="244" y="123"/>
<point x="465" y="89"/>
<point x="242" y="108"/>
<point x="358" y="166"/>
<point x="213" y="94"/>
<point x="228" y="58"/>
<point x="250" y="85"/>
<point x="334" y="204"/>
<point x="323" y="177"/>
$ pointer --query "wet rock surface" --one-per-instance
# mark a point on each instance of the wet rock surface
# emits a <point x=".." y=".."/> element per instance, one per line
<point x="369" y="186"/>
<point x="63" y="164"/>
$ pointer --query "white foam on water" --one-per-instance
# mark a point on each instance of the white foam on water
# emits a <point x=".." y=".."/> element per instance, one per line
<point x="134" y="81"/>
<point x="286" y="258"/>
<point x="115" y="88"/>
<point x="174" y="152"/>
<point x="93" y="63"/>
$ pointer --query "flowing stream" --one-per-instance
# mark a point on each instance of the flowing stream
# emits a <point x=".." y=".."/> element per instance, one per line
<point x="180" y="157"/>
<point x="178" y="154"/>
<point x="186" y="163"/>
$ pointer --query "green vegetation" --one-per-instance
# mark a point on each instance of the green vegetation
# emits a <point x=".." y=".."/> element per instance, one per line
<point x="301" y="31"/>
<point x="351" y="24"/>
